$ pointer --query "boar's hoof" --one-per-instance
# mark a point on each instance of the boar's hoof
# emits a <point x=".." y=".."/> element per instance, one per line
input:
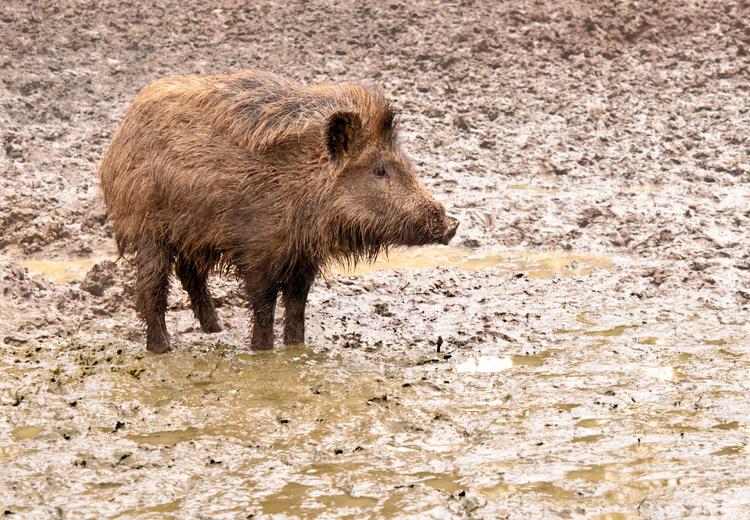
<point x="157" y="343"/>
<point x="211" y="327"/>
<point x="158" y="348"/>
<point x="450" y="230"/>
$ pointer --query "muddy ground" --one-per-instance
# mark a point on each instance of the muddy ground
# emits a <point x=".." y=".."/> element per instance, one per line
<point x="581" y="350"/>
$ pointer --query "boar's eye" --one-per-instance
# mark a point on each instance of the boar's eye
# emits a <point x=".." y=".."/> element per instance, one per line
<point x="381" y="172"/>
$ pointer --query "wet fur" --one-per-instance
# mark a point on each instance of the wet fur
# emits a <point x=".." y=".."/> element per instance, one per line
<point x="237" y="172"/>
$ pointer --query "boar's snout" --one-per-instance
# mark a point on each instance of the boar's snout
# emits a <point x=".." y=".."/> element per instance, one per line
<point x="451" y="225"/>
<point x="440" y="227"/>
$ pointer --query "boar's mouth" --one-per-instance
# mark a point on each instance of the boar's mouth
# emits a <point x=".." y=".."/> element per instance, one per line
<point x="434" y="231"/>
<point x="361" y="242"/>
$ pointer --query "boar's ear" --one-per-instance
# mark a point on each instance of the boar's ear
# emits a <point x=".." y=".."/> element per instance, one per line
<point x="342" y="134"/>
<point x="388" y="125"/>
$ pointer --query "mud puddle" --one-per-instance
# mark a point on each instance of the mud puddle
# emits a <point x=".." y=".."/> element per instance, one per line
<point x="63" y="270"/>
<point x="585" y="407"/>
<point x="533" y="264"/>
<point x="298" y="431"/>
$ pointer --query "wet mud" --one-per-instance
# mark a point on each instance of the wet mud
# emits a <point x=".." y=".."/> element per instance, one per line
<point x="581" y="349"/>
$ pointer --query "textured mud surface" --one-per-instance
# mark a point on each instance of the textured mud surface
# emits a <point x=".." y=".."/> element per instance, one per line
<point x="582" y="350"/>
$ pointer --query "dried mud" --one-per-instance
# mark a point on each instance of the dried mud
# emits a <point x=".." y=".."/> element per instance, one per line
<point x="581" y="350"/>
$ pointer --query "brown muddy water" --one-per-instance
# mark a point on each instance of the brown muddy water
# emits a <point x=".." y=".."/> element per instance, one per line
<point x="536" y="264"/>
<point x="573" y="414"/>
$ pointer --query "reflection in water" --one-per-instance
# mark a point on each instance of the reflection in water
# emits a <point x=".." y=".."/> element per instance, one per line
<point x="309" y="400"/>
<point x="484" y="364"/>
<point x="663" y="373"/>
<point x="489" y="364"/>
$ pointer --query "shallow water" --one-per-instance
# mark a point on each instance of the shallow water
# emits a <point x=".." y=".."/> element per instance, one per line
<point x="62" y="270"/>
<point x="534" y="265"/>
<point x="596" y="412"/>
<point x="303" y="432"/>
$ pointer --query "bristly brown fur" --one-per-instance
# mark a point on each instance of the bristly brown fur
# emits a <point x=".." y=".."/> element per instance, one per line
<point x="179" y="132"/>
<point x="243" y="172"/>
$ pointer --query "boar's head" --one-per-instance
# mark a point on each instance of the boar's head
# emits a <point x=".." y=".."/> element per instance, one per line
<point x="377" y="197"/>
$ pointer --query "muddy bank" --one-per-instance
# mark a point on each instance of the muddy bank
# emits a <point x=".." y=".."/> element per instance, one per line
<point x="580" y="351"/>
<point x="559" y="390"/>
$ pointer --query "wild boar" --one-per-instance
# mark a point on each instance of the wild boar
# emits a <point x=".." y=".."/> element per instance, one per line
<point x="263" y="177"/>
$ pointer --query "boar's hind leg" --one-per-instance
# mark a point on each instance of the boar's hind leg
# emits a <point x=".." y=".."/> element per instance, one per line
<point x="295" y="298"/>
<point x="153" y="263"/>
<point x="194" y="282"/>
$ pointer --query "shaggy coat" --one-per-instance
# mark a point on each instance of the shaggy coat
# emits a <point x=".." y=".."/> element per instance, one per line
<point x="263" y="177"/>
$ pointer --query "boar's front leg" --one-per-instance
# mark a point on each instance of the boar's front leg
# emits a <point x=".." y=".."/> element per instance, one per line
<point x="262" y="297"/>
<point x="194" y="281"/>
<point x="153" y="264"/>
<point x="295" y="299"/>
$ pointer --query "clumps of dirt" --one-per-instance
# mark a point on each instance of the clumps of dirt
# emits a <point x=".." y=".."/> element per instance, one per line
<point x="16" y="284"/>
<point x="106" y="275"/>
<point x="21" y="228"/>
<point x="610" y="29"/>
<point x="109" y="287"/>
<point x="35" y="308"/>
